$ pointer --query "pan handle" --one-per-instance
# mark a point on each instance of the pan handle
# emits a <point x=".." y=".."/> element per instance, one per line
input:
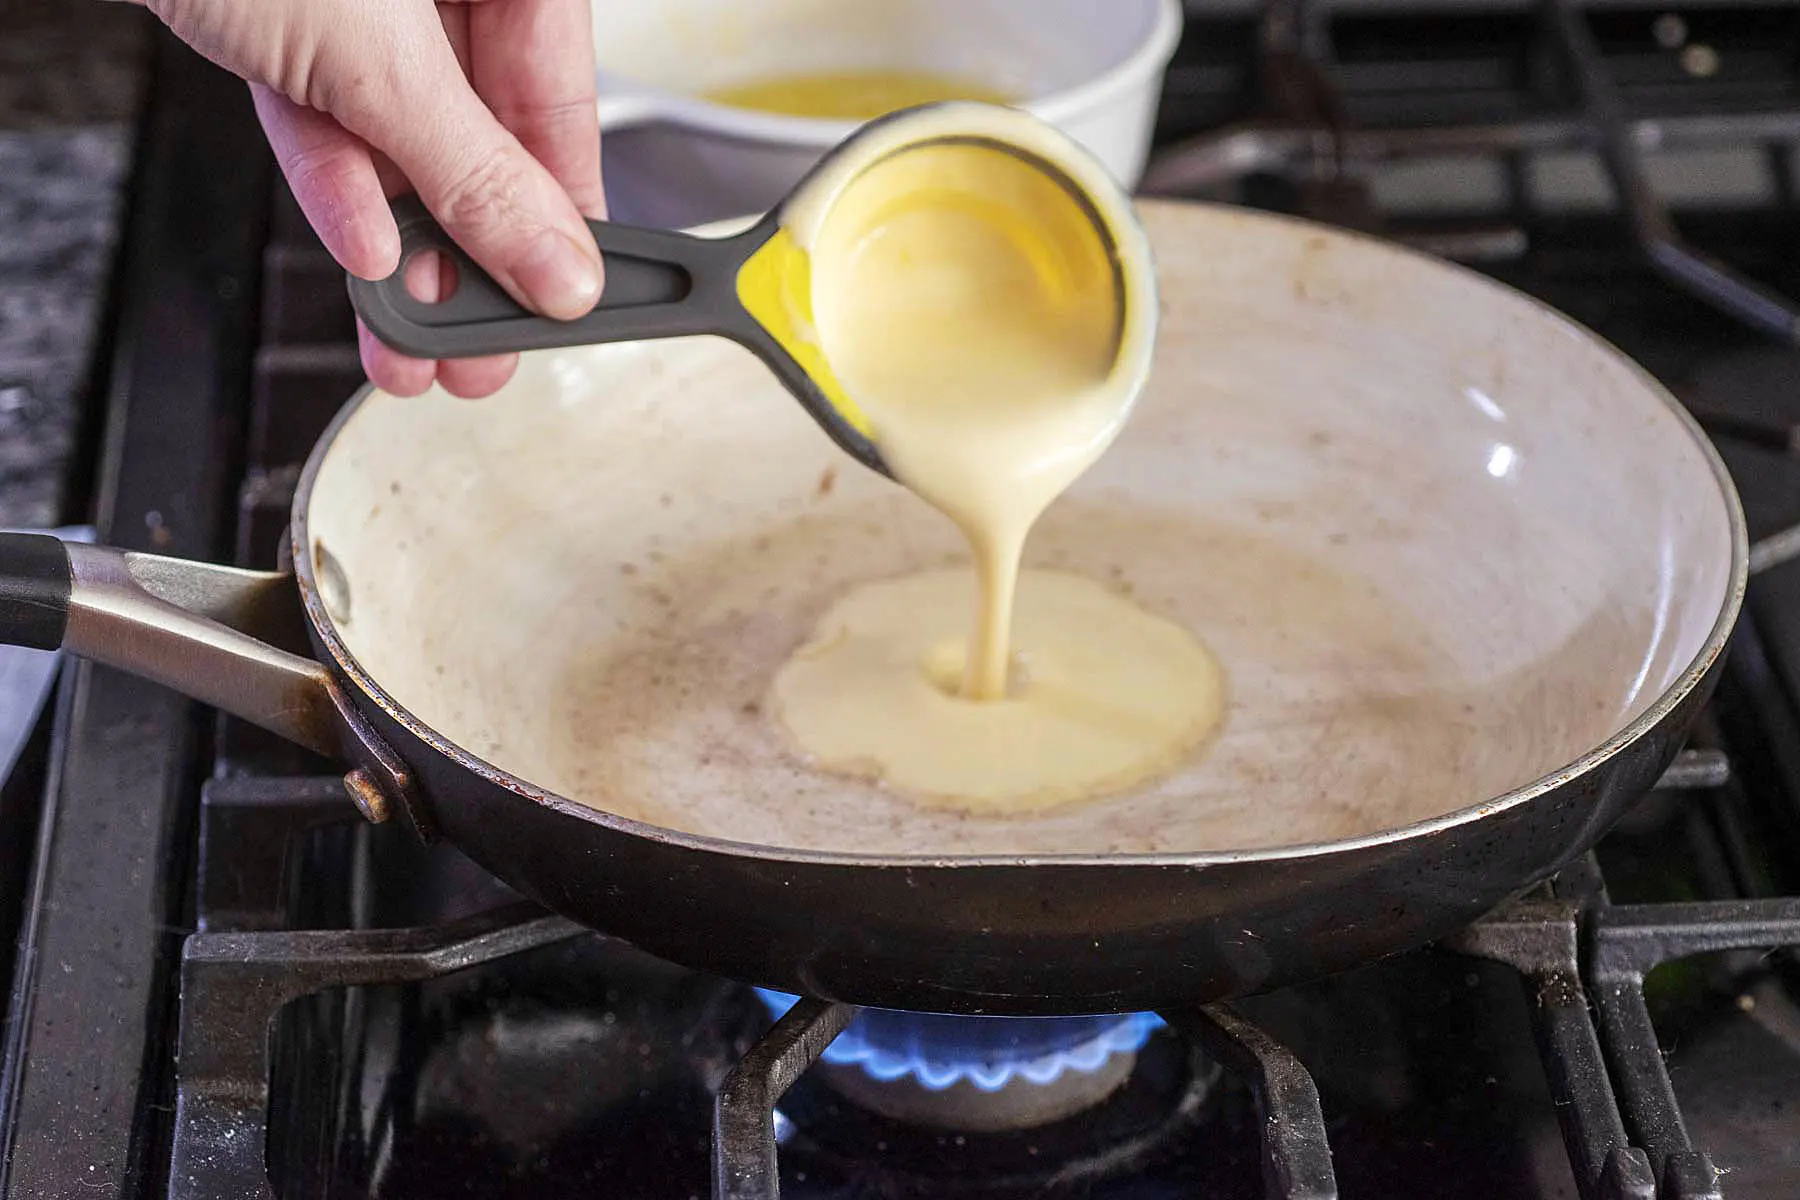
<point x="181" y="624"/>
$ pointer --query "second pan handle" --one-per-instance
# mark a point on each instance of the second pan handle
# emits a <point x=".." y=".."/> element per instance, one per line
<point x="659" y="284"/>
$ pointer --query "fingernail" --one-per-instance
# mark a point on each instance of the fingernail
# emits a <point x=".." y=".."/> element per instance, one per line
<point x="559" y="277"/>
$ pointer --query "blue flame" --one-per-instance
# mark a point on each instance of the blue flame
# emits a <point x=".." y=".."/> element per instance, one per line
<point x="940" y="1051"/>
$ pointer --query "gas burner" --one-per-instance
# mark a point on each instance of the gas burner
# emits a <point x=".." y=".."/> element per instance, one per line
<point x="965" y="1105"/>
<point x="979" y="1074"/>
<point x="841" y="1123"/>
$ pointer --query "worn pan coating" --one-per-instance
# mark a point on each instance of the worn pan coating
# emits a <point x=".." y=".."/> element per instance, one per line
<point x="1621" y="492"/>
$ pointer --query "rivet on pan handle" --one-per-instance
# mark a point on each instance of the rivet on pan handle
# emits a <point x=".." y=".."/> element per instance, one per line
<point x="382" y="782"/>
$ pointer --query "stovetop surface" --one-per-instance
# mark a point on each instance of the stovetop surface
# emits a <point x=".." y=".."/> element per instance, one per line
<point x="1504" y="1064"/>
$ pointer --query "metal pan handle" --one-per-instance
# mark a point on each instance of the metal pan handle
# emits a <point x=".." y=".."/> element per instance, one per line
<point x="178" y="623"/>
<point x="658" y="284"/>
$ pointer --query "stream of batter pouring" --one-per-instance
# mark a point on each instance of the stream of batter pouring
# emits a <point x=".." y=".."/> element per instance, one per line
<point x="988" y="370"/>
<point x="969" y="306"/>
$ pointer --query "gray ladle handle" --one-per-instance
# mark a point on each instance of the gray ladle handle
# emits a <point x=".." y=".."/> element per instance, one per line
<point x="658" y="284"/>
<point x="181" y="624"/>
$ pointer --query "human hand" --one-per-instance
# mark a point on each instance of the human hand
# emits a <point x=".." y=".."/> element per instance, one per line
<point x="484" y="107"/>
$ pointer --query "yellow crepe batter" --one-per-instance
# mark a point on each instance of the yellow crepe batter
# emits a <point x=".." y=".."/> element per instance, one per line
<point x="996" y="340"/>
<point x="1105" y="695"/>
<point x="850" y="95"/>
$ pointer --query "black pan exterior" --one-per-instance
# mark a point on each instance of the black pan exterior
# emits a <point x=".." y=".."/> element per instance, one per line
<point x="1038" y="938"/>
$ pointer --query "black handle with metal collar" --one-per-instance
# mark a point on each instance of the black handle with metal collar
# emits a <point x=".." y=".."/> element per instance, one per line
<point x="194" y="627"/>
<point x="35" y="585"/>
<point x="659" y="284"/>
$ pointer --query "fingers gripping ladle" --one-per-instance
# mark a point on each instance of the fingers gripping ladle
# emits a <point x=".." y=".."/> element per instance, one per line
<point x="756" y="287"/>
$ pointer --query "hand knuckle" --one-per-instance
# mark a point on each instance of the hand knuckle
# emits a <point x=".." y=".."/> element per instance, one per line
<point x="317" y="170"/>
<point x="488" y="197"/>
<point x="550" y="116"/>
<point x="357" y="98"/>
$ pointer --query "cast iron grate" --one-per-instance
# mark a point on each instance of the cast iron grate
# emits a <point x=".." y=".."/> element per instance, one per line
<point x="1308" y="133"/>
<point x="243" y="968"/>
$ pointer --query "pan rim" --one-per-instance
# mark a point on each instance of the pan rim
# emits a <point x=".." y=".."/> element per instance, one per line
<point x="1646" y="722"/>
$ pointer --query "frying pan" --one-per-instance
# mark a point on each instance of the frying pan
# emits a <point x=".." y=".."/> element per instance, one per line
<point x="1468" y="569"/>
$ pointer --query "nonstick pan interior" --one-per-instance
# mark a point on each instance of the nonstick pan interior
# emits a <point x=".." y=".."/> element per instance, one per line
<point x="1444" y="543"/>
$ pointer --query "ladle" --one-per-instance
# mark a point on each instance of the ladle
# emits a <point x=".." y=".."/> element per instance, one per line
<point x="754" y="287"/>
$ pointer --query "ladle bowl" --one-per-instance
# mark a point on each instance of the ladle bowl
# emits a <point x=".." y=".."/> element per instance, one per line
<point x="759" y="287"/>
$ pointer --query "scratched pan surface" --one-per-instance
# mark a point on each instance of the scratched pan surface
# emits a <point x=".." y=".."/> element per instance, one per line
<point x="1468" y="571"/>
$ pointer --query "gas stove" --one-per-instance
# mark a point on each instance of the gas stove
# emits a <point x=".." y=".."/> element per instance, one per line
<point x="228" y="985"/>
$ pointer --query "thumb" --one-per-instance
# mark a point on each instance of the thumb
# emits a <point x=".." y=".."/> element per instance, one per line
<point x="498" y="202"/>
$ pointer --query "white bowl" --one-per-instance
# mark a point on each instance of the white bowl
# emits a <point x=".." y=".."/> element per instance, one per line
<point x="673" y="159"/>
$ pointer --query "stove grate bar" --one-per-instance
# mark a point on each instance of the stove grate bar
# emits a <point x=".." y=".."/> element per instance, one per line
<point x="1539" y="938"/>
<point x="1296" y="1152"/>
<point x="1627" y="942"/>
<point x="234" y="984"/>
<point x="1696" y="770"/>
<point x="247" y="831"/>
<point x="1211" y="161"/>
<point x="1781" y="547"/>
<point x="1651" y="225"/>
<point x="744" y="1166"/>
